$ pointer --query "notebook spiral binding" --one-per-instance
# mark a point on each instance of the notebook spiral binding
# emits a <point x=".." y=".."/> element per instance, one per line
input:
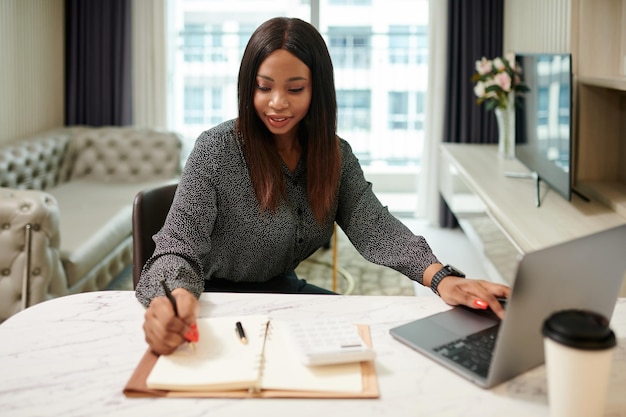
<point x="265" y="334"/>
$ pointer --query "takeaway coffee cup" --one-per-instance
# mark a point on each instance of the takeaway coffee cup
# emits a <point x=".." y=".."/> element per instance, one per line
<point x="578" y="351"/>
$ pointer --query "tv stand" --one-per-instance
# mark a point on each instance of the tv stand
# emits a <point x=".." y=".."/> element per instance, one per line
<point x="489" y="208"/>
<point x="531" y="176"/>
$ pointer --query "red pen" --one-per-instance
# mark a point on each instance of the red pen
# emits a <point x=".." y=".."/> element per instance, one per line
<point x="192" y="336"/>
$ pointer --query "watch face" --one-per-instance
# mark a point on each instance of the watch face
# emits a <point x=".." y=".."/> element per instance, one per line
<point x="455" y="272"/>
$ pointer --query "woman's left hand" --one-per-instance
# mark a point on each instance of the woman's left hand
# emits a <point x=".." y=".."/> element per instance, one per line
<point x="473" y="293"/>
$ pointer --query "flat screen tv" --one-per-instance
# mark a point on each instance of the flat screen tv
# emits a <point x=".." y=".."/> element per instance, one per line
<point x="543" y="119"/>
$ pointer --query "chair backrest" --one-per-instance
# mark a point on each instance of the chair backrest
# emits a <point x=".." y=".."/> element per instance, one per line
<point x="150" y="209"/>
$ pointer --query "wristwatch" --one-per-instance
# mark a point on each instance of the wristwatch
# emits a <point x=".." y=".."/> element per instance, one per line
<point x="447" y="270"/>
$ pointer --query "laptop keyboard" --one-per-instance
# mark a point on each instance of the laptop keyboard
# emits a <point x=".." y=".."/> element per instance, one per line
<point x="473" y="352"/>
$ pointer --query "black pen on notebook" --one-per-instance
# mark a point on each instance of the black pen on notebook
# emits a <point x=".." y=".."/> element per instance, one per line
<point x="241" y="333"/>
<point x="192" y="335"/>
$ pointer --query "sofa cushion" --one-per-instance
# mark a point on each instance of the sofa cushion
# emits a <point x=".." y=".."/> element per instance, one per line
<point x="123" y="154"/>
<point x="95" y="219"/>
<point x="34" y="163"/>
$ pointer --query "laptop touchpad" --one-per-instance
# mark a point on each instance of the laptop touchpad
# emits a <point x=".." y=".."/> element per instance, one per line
<point x="462" y="322"/>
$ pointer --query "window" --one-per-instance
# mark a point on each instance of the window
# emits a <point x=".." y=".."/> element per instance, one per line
<point x="420" y="110"/>
<point x="354" y="110"/>
<point x="399" y="44"/>
<point x="406" y="111"/>
<point x="194" y="105"/>
<point x="203" y="106"/>
<point x="216" y="52"/>
<point x="408" y="44"/>
<point x="350" y="2"/>
<point x="421" y="45"/>
<point x="350" y="47"/>
<point x="193" y="42"/>
<point x="243" y="35"/>
<point x="380" y="58"/>
<point x="398" y="110"/>
<point x="217" y="115"/>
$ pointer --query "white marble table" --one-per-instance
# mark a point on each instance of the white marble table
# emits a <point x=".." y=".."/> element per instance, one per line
<point x="72" y="356"/>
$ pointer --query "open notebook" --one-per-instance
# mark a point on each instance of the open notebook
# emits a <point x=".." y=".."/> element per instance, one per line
<point x="266" y="366"/>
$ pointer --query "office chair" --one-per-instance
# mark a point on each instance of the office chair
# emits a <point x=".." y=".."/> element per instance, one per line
<point x="150" y="209"/>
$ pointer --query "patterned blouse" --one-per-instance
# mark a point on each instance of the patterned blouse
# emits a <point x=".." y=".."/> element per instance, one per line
<point x="215" y="228"/>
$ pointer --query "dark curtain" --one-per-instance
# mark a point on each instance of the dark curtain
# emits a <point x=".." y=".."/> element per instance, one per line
<point x="98" y="62"/>
<point x="475" y="29"/>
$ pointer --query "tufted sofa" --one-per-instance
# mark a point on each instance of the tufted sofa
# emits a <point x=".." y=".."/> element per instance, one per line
<point x="66" y="206"/>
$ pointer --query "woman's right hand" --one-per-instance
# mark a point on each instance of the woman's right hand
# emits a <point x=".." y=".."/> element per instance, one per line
<point x="163" y="330"/>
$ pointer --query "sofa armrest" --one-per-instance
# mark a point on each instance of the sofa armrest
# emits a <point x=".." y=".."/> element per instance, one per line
<point x="30" y="257"/>
<point x="124" y="154"/>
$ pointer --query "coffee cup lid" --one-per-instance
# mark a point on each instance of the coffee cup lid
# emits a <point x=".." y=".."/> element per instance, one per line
<point x="580" y="329"/>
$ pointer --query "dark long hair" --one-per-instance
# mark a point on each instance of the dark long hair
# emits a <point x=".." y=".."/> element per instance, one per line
<point x="317" y="130"/>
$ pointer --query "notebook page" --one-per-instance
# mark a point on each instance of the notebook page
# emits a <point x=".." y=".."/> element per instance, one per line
<point x="220" y="360"/>
<point x="284" y="370"/>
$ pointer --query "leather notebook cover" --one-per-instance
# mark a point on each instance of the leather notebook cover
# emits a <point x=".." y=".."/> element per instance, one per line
<point x="137" y="386"/>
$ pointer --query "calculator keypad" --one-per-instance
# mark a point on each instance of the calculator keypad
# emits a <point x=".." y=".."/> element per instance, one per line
<point x="328" y="341"/>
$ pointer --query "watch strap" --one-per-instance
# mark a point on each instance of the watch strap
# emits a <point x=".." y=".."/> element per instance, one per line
<point x="445" y="271"/>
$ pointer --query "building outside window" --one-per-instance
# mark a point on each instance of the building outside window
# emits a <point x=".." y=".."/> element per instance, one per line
<point x="398" y="110"/>
<point x="354" y="110"/>
<point x="380" y="60"/>
<point x="350" y="47"/>
<point x="194" y="105"/>
<point x="399" y="44"/>
<point x="193" y="42"/>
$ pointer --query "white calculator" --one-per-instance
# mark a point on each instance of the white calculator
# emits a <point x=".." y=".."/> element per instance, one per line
<point x="328" y="341"/>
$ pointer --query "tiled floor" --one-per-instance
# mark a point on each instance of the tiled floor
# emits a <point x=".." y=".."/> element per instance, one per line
<point x="450" y="246"/>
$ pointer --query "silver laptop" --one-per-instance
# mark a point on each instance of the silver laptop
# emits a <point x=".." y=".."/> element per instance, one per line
<point x="585" y="273"/>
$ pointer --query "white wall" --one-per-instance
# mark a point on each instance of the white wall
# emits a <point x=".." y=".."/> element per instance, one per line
<point x="31" y="67"/>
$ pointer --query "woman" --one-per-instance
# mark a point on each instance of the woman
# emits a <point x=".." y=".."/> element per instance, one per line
<point x="259" y="194"/>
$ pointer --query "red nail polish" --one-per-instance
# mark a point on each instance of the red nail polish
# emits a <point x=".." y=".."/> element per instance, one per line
<point x="192" y="334"/>
<point x="481" y="304"/>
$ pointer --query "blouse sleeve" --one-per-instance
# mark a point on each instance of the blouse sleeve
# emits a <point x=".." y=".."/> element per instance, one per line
<point x="375" y="233"/>
<point x="185" y="236"/>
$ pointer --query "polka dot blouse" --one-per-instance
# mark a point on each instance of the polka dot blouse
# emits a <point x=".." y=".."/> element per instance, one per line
<point x="215" y="229"/>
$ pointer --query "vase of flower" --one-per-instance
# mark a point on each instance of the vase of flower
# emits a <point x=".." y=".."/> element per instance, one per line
<point x="498" y="81"/>
<point x="506" y="129"/>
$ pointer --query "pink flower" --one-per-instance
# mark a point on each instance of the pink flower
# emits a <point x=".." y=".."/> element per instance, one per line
<point x="496" y="80"/>
<point x="504" y="81"/>
<point x="484" y="66"/>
